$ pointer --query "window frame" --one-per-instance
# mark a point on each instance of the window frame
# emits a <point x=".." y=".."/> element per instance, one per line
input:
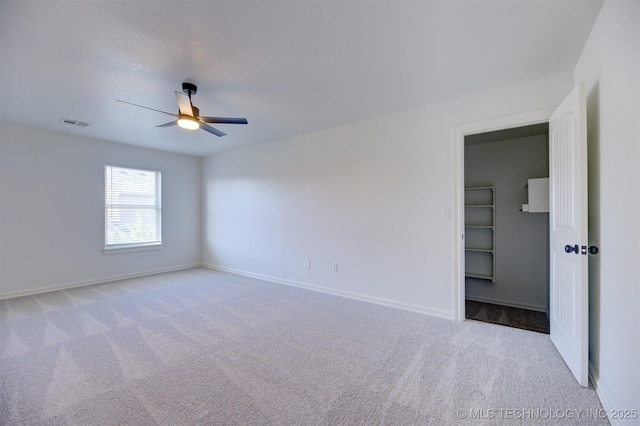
<point x="136" y="246"/>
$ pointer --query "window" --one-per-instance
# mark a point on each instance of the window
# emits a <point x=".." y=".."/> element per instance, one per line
<point x="132" y="208"/>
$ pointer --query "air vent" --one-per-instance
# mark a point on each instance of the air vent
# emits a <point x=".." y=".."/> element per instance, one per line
<point x="70" y="122"/>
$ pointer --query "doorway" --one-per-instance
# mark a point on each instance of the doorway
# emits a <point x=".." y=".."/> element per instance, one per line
<point x="513" y="132"/>
<point x="507" y="238"/>
<point x="568" y="217"/>
<point x="506" y="227"/>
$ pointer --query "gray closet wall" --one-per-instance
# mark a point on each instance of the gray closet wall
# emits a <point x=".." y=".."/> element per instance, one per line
<point x="522" y="239"/>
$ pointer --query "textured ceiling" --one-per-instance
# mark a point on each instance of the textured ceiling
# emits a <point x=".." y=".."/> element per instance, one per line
<point x="290" y="67"/>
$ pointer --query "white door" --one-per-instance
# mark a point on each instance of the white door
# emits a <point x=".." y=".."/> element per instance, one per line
<point x="568" y="241"/>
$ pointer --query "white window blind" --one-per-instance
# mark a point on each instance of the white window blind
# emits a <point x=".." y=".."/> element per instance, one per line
<point x="132" y="207"/>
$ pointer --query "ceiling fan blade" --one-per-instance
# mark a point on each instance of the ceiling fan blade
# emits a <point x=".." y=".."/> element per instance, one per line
<point x="169" y="124"/>
<point x="212" y="130"/>
<point x="224" y="120"/>
<point x="152" y="109"/>
<point x="184" y="104"/>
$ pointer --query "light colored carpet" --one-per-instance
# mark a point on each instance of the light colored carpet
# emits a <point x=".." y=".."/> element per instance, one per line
<point x="201" y="346"/>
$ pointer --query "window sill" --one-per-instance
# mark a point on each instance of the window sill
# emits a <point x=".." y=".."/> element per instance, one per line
<point x="131" y="248"/>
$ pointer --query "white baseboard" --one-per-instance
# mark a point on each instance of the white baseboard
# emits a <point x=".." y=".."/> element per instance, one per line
<point x="96" y="281"/>
<point x="539" y="308"/>
<point x="350" y="295"/>
<point x="604" y="399"/>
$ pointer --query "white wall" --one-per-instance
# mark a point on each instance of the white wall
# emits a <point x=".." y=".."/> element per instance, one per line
<point x="610" y="66"/>
<point x="52" y="211"/>
<point x="522" y="242"/>
<point x="367" y="196"/>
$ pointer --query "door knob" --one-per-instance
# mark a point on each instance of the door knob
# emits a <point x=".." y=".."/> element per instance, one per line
<point x="570" y="249"/>
<point x="593" y="249"/>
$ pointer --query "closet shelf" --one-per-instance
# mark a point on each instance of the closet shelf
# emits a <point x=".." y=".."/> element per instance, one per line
<point x="479" y="275"/>
<point x="537" y="197"/>
<point x="480" y="260"/>
<point x="482" y="250"/>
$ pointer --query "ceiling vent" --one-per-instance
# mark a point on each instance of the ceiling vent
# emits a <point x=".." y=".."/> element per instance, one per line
<point x="70" y="122"/>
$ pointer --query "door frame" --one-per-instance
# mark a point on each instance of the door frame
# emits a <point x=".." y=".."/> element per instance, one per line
<point x="500" y="123"/>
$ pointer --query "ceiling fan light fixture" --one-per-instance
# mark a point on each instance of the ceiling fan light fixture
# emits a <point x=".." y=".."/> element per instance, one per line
<point x="188" y="116"/>
<point x="189" y="123"/>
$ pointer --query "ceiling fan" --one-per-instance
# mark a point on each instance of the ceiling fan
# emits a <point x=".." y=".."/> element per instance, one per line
<point x="188" y="116"/>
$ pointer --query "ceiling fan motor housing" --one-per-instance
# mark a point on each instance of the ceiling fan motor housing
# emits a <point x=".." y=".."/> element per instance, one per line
<point x="189" y="89"/>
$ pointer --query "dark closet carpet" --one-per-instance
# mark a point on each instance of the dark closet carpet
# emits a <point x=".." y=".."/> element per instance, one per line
<point x="505" y="315"/>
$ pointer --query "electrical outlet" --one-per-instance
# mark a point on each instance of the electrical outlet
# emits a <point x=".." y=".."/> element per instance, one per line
<point x="334" y="267"/>
<point x="307" y="264"/>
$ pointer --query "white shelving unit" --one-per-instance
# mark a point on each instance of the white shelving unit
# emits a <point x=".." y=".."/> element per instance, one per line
<point x="480" y="228"/>
<point x="538" y="196"/>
